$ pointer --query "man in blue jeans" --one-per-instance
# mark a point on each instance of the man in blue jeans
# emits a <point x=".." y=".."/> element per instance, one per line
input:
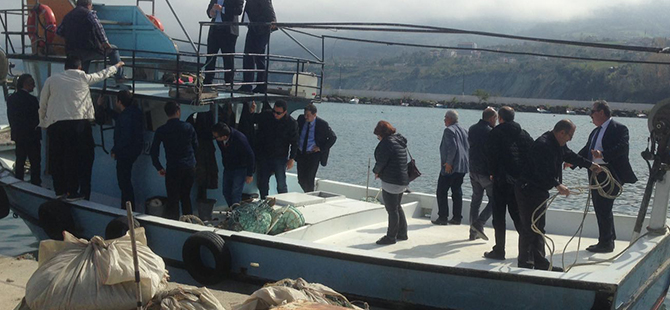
<point x="480" y="179"/>
<point x="238" y="161"/>
<point x="277" y="146"/>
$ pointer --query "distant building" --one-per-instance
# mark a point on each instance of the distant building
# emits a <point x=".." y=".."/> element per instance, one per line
<point x="470" y="52"/>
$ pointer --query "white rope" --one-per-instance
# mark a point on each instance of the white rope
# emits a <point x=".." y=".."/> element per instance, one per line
<point x="609" y="182"/>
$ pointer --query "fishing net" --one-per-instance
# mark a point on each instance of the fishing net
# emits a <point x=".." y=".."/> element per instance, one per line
<point x="260" y="217"/>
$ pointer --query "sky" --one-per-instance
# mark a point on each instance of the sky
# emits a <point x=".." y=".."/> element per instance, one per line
<point x="434" y="12"/>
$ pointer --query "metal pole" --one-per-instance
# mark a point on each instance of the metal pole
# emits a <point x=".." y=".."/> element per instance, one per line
<point x="181" y="25"/>
<point x="367" y="183"/>
<point x="134" y="51"/>
<point x="323" y="72"/>
<point x="136" y="264"/>
<point x="267" y="67"/>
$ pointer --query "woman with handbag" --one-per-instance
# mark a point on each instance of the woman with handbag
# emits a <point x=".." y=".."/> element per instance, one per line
<point x="391" y="168"/>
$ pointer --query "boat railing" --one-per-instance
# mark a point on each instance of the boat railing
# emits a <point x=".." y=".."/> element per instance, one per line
<point x="285" y="74"/>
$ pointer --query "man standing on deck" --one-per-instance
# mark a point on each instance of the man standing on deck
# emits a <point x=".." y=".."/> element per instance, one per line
<point x="222" y="37"/>
<point x="180" y="142"/>
<point x="66" y="111"/>
<point x="23" y="116"/>
<point x="85" y="37"/>
<point x="480" y="179"/>
<point x="277" y="146"/>
<point x="607" y="146"/>
<point x="238" y="161"/>
<point x="316" y="139"/>
<point x="505" y="152"/>
<point x="543" y="171"/>
<point x="454" y="158"/>
<point x="258" y="36"/>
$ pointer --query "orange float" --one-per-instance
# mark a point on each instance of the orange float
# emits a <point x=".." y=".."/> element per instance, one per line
<point x="156" y="22"/>
<point x="41" y="25"/>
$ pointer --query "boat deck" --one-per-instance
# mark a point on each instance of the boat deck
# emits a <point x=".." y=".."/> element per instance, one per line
<point x="451" y="243"/>
<point x="157" y="91"/>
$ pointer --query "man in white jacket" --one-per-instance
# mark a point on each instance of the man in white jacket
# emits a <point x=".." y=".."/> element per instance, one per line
<point x="66" y="111"/>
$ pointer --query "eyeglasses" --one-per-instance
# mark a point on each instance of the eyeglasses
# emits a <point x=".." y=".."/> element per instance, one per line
<point x="277" y="112"/>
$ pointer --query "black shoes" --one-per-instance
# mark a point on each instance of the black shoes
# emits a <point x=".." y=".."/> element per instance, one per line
<point x="440" y="221"/>
<point x="601" y="248"/>
<point x="454" y="221"/>
<point x="529" y="266"/>
<point x="478" y="233"/>
<point x="386" y="240"/>
<point x="495" y="255"/>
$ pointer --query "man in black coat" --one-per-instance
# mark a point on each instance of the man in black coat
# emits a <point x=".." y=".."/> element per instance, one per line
<point x="543" y="171"/>
<point x="505" y="153"/>
<point x="258" y="36"/>
<point x="277" y="146"/>
<point x="24" y="120"/>
<point x="222" y="37"/>
<point x="607" y="146"/>
<point x="480" y="179"/>
<point x="238" y="161"/>
<point x="316" y="139"/>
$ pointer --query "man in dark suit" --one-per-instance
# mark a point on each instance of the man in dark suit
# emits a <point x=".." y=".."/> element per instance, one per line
<point x="608" y="147"/>
<point x="258" y="36"/>
<point x="222" y="37"/>
<point x="316" y="139"/>
<point x="24" y="122"/>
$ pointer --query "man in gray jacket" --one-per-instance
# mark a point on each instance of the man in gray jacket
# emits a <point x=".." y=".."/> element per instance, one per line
<point x="454" y="158"/>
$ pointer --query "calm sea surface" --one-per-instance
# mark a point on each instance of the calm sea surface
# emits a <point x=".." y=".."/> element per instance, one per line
<point x="423" y="128"/>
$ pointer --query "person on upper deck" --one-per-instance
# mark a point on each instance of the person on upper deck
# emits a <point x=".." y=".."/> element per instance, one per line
<point x="258" y="36"/>
<point x="480" y="179"/>
<point x="223" y="37"/>
<point x="454" y="158"/>
<point x="391" y="168"/>
<point x="543" y="171"/>
<point x="238" y="161"/>
<point x="316" y="139"/>
<point x="66" y="111"/>
<point x="506" y="150"/>
<point x="24" y="120"/>
<point x="277" y="146"/>
<point x="180" y="142"/>
<point x="128" y="143"/>
<point x="608" y="146"/>
<point x="85" y="37"/>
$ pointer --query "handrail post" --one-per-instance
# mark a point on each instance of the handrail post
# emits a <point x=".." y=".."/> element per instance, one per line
<point x="323" y="72"/>
<point x="267" y="66"/>
<point x="23" y="30"/>
<point x="134" y="51"/>
<point x="297" y="76"/>
<point x="199" y="84"/>
<point x="178" y="77"/>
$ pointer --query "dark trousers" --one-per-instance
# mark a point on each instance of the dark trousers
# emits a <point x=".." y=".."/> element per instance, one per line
<point x="222" y="40"/>
<point x="481" y="183"/>
<point x="233" y="184"/>
<point x="71" y="154"/>
<point x="33" y="151"/>
<point x="255" y="43"/>
<point x="266" y="169"/>
<point x="178" y="183"/>
<point x="531" y="244"/>
<point x="89" y="55"/>
<point x="124" y="167"/>
<point x="397" y="221"/>
<point x="444" y="184"/>
<point x="308" y="164"/>
<point x="505" y="202"/>
<point x="604" y="215"/>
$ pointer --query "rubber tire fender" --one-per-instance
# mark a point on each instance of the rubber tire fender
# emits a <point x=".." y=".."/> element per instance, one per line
<point x="55" y="216"/>
<point x="4" y="203"/>
<point x="118" y="227"/>
<point x="193" y="260"/>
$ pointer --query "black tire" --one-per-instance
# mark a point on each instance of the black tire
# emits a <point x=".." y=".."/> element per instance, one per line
<point x="118" y="227"/>
<point x="194" y="264"/>
<point x="4" y="203"/>
<point x="55" y="216"/>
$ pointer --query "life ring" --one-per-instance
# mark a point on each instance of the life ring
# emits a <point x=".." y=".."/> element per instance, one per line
<point x="41" y="20"/>
<point x="193" y="260"/>
<point x="4" y="203"/>
<point x="154" y="20"/>
<point x="55" y="216"/>
<point x="118" y="227"/>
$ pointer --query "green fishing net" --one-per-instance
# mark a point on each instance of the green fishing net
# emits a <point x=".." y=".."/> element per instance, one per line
<point x="260" y="217"/>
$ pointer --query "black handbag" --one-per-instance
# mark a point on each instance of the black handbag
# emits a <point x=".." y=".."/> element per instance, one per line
<point x="412" y="171"/>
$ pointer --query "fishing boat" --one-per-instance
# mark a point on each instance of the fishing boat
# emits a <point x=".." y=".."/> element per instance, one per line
<point x="438" y="267"/>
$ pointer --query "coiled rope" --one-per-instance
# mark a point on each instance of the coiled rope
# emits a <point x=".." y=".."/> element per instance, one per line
<point x="606" y="189"/>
